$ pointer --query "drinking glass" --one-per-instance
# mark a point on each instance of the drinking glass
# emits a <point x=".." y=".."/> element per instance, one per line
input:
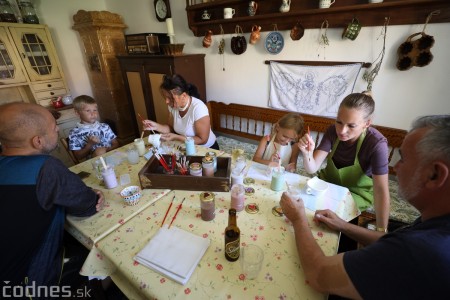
<point x="252" y="257"/>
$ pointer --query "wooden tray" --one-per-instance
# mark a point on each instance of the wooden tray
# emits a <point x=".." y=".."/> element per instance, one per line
<point x="153" y="176"/>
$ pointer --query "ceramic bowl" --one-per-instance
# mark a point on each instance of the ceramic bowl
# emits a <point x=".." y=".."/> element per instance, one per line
<point x="131" y="194"/>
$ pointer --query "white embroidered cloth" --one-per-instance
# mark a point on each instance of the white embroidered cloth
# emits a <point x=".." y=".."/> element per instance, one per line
<point x="316" y="90"/>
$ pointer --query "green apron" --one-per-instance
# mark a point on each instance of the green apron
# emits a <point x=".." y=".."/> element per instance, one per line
<point x="352" y="177"/>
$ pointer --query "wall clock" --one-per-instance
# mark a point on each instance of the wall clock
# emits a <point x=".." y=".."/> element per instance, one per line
<point x="162" y="10"/>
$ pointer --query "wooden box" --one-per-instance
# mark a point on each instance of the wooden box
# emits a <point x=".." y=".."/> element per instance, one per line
<point x="153" y="176"/>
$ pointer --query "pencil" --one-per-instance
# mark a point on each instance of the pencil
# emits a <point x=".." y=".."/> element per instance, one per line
<point x="309" y="135"/>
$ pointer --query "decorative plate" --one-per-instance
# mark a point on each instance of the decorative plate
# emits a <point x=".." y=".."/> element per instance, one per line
<point x="274" y="42"/>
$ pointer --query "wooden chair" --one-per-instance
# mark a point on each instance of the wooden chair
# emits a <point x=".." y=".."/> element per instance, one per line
<point x="65" y="143"/>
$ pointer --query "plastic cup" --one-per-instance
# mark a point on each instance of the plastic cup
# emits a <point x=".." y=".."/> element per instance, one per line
<point x="109" y="177"/>
<point x="252" y="258"/>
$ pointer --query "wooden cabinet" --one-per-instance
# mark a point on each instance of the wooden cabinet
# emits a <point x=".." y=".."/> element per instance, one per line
<point x="310" y="16"/>
<point x="11" y="71"/>
<point x="29" y="66"/>
<point x="30" y="71"/>
<point x="143" y="75"/>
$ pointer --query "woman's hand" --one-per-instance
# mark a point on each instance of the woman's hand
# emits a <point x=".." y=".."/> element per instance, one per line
<point x="150" y="125"/>
<point x="306" y="144"/>
<point x="166" y="137"/>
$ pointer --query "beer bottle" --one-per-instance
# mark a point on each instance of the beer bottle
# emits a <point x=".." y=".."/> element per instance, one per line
<point x="232" y="237"/>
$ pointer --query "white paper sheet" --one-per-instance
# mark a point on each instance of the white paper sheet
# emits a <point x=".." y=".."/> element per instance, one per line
<point x="174" y="253"/>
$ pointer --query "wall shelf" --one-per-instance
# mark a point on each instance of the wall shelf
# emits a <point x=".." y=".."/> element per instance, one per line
<point x="401" y="12"/>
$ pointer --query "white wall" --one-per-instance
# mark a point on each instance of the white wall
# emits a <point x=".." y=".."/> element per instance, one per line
<point x="400" y="96"/>
<point x="58" y="15"/>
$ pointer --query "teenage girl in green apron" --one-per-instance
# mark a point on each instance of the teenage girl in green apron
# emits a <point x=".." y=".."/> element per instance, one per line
<point x="356" y="154"/>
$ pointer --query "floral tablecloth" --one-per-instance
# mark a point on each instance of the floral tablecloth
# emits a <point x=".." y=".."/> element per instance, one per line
<point x="115" y="212"/>
<point x="281" y="276"/>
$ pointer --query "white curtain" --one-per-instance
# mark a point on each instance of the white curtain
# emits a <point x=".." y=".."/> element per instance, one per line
<point x="316" y="90"/>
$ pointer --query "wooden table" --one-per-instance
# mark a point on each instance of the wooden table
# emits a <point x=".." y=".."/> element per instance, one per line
<point x="120" y="232"/>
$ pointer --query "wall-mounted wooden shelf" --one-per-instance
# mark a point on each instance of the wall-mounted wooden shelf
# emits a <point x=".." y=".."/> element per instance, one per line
<point x="401" y="12"/>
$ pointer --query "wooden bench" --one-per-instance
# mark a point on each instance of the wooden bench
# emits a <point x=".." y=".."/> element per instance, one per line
<point x="251" y="122"/>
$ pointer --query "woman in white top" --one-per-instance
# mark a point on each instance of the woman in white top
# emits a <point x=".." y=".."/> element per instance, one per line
<point x="188" y="115"/>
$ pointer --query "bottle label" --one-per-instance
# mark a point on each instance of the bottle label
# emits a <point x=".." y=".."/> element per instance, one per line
<point x="232" y="249"/>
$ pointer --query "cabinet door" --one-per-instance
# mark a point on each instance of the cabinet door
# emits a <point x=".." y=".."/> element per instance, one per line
<point x="37" y="53"/>
<point x="10" y="70"/>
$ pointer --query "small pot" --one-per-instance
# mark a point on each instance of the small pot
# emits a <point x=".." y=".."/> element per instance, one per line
<point x="57" y="102"/>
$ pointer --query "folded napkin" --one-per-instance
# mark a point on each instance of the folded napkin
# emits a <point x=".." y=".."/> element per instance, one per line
<point x="174" y="253"/>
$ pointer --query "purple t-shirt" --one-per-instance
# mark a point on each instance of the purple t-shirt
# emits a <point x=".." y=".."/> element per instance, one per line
<point x="373" y="154"/>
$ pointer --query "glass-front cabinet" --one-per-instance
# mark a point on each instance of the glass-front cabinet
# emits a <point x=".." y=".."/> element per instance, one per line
<point x="10" y="66"/>
<point x="37" y="55"/>
<point x="30" y="71"/>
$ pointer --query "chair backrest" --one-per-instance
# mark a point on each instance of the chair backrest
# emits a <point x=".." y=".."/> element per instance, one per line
<point x="65" y="143"/>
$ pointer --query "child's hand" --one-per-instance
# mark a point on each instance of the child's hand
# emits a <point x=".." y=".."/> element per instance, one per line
<point x="93" y="139"/>
<point x="99" y="151"/>
<point x="275" y="157"/>
<point x="290" y="168"/>
<point x="149" y="125"/>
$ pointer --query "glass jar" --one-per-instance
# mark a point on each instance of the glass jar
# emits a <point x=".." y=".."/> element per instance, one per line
<point x="214" y="158"/>
<point x="28" y="12"/>
<point x="207" y="206"/>
<point x="6" y="12"/>
<point x="208" y="166"/>
<point x="237" y="197"/>
<point x="190" y="146"/>
<point x="195" y="169"/>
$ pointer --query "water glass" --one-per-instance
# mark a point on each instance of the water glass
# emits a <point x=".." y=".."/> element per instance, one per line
<point x="278" y="182"/>
<point x="132" y="155"/>
<point x="252" y="258"/>
<point x="237" y="177"/>
<point x="97" y="167"/>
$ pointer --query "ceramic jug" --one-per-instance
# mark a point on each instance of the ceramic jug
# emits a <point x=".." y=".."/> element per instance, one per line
<point x="285" y="6"/>
<point x="207" y="40"/>
<point x="252" y="7"/>
<point x="255" y="35"/>
<point x="206" y="15"/>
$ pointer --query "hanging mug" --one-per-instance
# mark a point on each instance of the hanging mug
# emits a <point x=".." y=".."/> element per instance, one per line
<point x="297" y="32"/>
<point x="352" y="30"/>
<point x="252" y="7"/>
<point x="255" y="35"/>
